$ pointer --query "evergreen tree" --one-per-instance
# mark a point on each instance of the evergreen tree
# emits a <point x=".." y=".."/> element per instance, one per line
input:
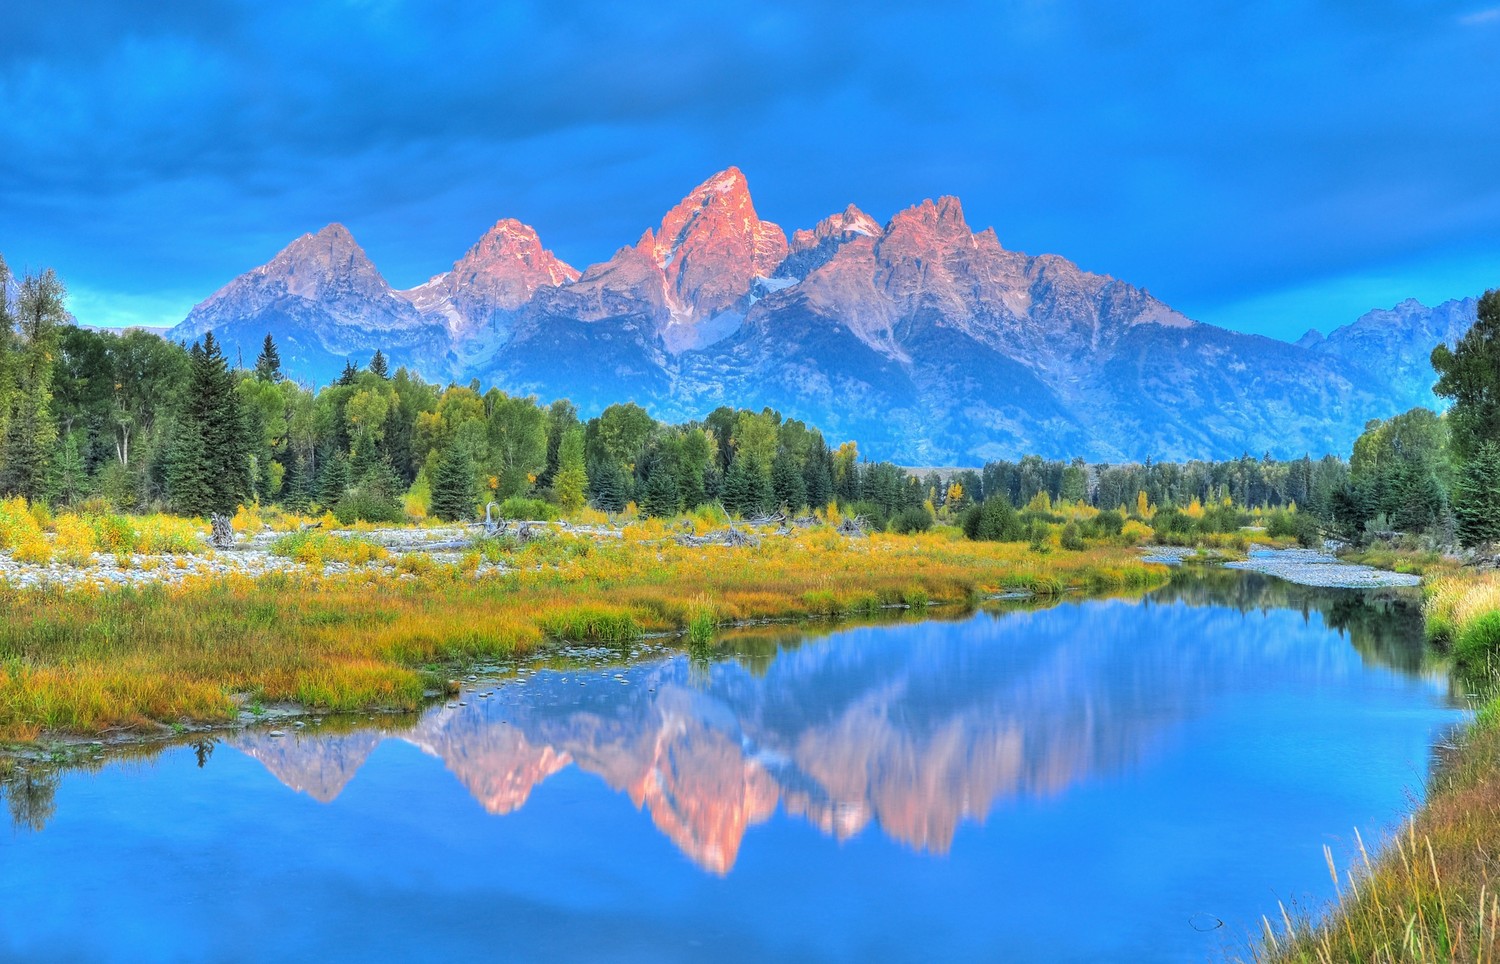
<point x="349" y="375"/>
<point x="188" y="486"/>
<point x="659" y="499"/>
<point x="994" y="520"/>
<point x="333" y="481"/>
<point x="788" y="487"/>
<point x="69" y="474"/>
<point x="1476" y="496"/>
<point x="296" y="485"/>
<point x="374" y="497"/>
<point x="214" y="411"/>
<point x="609" y="487"/>
<point x="453" y="486"/>
<point x="31" y="430"/>
<point x="7" y="351"/>
<point x="571" y="479"/>
<point x="818" y="478"/>
<point x="268" y="363"/>
<point x="747" y="490"/>
<point x="379" y="365"/>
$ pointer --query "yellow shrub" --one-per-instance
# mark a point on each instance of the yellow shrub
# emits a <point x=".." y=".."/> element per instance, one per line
<point x="74" y="544"/>
<point x="592" y="517"/>
<point x="246" y="519"/>
<point x="33" y="549"/>
<point x="415" y="563"/>
<point x="168" y="535"/>
<point x="16" y="523"/>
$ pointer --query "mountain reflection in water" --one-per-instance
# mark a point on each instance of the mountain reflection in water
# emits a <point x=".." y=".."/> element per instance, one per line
<point x="914" y="729"/>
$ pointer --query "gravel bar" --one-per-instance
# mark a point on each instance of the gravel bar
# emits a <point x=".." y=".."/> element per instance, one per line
<point x="1308" y="567"/>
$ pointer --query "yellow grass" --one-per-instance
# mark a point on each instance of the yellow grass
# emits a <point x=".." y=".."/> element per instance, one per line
<point x="86" y="660"/>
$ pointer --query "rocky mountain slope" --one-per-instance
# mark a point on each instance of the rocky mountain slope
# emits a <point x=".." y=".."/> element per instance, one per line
<point x="1395" y="344"/>
<point x="928" y="342"/>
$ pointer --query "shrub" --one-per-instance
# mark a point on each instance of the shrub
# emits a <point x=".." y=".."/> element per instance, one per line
<point x="113" y="533"/>
<point x="160" y="534"/>
<point x="527" y="510"/>
<point x="872" y="512"/>
<point x="1072" y="537"/>
<point x="1108" y="524"/>
<point x="910" y="521"/>
<point x="359" y="505"/>
<point x="17" y="526"/>
<point x="74" y="544"/>
<point x="994" y="520"/>
<point x="1221" y="518"/>
<point x="315" y="548"/>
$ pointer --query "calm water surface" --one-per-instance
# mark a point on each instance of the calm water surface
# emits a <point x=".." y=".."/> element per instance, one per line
<point x="1097" y="781"/>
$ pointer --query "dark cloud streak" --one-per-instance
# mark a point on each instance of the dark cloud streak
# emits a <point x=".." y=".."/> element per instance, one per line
<point x="1212" y="152"/>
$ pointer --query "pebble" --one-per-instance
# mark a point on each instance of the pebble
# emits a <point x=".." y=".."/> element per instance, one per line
<point x="1310" y="568"/>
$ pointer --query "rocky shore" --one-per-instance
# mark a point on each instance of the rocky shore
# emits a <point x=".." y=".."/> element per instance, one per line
<point x="1309" y="567"/>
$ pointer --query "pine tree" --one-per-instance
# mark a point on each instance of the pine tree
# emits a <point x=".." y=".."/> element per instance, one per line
<point x="609" y="487"/>
<point x="214" y="411"/>
<point x="68" y="474"/>
<point x="187" y="479"/>
<point x="788" y="487"/>
<point x="379" y="365"/>
<point x="453" y="486"/>
<point x="1476" y="496"/>
<point x="747" y="489"/>
<point x="818" y="479"/>
<point x="31" y="430"/>
<point x="268" y="364"/>
<point x="349" y="375"/>
<point x="660" y="497"/>
<point x="571" y="479"/>
<point x="296" y="485"/>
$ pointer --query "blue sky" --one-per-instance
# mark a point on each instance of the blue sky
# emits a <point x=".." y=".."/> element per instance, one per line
<point x="1269" y="166"/>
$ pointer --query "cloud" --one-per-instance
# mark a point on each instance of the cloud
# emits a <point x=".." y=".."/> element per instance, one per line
<point x="1211" y="155"/>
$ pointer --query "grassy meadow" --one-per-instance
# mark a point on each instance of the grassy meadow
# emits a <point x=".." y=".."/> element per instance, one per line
<point x="87" y="660"/>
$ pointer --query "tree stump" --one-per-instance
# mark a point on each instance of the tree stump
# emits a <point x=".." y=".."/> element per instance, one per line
<point x="221" y="533"/>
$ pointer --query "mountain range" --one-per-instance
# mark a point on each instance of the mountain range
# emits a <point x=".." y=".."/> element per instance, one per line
<point x="928" y="342"/>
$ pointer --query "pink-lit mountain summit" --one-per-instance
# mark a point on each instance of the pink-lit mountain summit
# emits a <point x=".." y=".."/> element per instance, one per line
<point x="927" y="341"/>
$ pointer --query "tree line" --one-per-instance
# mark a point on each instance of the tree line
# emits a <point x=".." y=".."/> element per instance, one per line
<point x="143" y="423"/>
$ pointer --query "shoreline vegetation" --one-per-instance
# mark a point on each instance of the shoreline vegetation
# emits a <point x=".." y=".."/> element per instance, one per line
<point x="88" y="660"/>
<point x="1431" y="892"/>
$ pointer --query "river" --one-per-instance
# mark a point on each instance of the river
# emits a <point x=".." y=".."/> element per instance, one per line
<point x="1097" y="780"/>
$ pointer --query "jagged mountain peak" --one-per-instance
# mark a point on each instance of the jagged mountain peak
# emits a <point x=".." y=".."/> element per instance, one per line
<point x="710" y="245"/>
<point x="944" y="218"/>
<point x="850" y="222"/>
<point x="323" y="265"/>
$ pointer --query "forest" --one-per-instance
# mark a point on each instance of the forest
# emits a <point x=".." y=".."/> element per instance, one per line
<point x="134" y="422"/>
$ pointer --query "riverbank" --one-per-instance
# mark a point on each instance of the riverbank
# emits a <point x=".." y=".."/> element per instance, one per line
<point x="1309" y="567"/>
<point x="1430" y="893"/>
<point x="85" y="660"/>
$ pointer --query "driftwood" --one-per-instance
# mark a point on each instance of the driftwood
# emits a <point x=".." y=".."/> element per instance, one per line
<point x="854" y="527"/>
<point x="221" y="531"/>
